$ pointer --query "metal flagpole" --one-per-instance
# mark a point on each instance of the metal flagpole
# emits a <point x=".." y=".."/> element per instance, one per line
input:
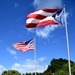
<point x="35" y="54"/>
<point x="67" y="41"/>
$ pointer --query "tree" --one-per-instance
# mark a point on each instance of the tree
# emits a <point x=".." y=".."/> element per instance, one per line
<point x="73" y="69"/>
<point x="61" y="72"/>
<point x="11" y="72"/>
<point x="57" y="64"/>
<point x="59" y="67"/>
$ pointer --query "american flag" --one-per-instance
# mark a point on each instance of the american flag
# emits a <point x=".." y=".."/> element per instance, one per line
<point x="44" y="17"/>
<point x="25" y="46"/>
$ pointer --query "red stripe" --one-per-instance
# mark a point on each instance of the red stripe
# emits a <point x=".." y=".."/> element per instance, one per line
<point x="51" y="10"/>
<point x="48" y="22"/>
<point x="36" y="16"/>
<point x="31" y="25"/>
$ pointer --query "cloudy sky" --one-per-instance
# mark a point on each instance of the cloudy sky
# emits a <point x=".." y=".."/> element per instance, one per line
<point x="50" y="40"/>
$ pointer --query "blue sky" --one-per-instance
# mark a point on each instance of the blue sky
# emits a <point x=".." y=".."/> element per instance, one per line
<point x="50" y="40"/>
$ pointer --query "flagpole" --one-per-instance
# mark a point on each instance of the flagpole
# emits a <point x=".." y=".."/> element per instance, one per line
<point x="35" y="54"/>
<point x="67" y="41"/>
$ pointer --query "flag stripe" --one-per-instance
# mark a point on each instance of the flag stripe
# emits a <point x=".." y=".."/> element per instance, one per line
<point x="33" y="20"/>
<point x="31" y="25"/>
<point x="51" y="10"/>
<point x="47" y="22"/>
<point x="37" y="16"/>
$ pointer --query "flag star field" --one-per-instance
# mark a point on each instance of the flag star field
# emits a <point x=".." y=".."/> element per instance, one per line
<point x="50" y="40"/>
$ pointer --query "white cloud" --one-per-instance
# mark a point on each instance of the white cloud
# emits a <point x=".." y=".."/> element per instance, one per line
<point x="39" y="4"/>
<point x="2" y="68"/>
<point x="28" y="66"/>
<point x="12" y="52"/>
<point x="44" y="32"/>
<point x="42" y="59"/>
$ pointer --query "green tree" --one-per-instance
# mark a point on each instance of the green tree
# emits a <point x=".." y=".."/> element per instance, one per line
<point x="73" y="69"/>
<point x="11" y="72"/>
<point x="59" y="67"/>
<point x="61" y="72"/>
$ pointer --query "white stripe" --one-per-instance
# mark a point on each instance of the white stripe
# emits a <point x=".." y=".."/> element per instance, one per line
<point x="47" y="18"/>
<point x="33" y="20"/>
<point x="41" y="12"/>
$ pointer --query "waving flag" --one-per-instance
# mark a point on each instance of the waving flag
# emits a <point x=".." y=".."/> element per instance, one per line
<point x="25" y="46"/>
<point x="44" y="17"/>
